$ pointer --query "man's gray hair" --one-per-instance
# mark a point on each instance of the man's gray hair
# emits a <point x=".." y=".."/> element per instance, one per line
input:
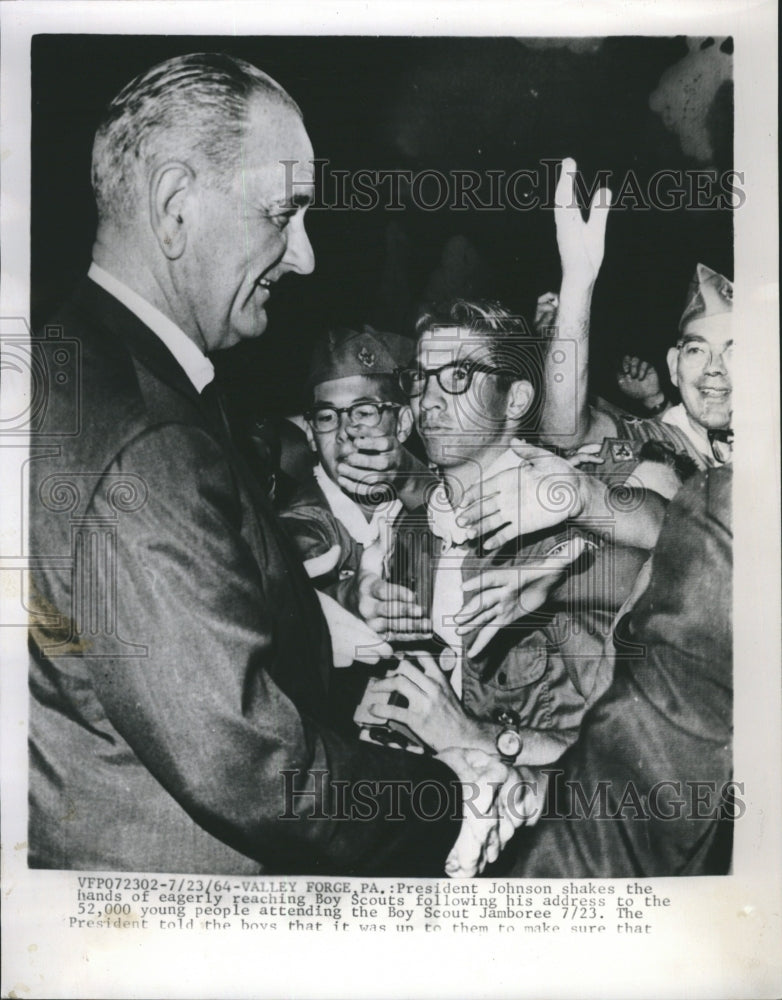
<point x="190" y="107"/>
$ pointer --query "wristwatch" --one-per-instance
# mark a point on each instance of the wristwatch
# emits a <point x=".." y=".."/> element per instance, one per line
<point x="508" y="742"/>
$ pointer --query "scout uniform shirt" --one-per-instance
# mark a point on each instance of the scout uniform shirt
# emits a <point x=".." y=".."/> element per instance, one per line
<point x="319" y="515"/>
<point x="546" y="666"/>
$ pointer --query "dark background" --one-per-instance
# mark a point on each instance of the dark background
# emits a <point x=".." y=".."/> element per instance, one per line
<point x="411" y="103"/>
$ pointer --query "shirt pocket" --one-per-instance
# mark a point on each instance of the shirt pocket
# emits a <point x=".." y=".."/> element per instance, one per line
<point x="520" y="683"/>
<point x="521" y="666"/>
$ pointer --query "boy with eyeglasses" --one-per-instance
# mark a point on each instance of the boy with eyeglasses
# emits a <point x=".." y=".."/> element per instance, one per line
<point x="358" y="421"/>
<point x="518" y="632"/>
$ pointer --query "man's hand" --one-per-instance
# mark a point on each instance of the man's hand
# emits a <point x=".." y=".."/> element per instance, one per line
<point x="391" y="610"/>
<point x="546" y="310"/>
<point x="375" y="463"/>
<point x="542" y="492"/>
<point x="379" y="467"/>
<point x="639" y="380"/>
<point x="388" y="608"/>
<point x="506" y="594"/>
<point x="636" y="520"/>
<point x="433" y="713"/>
<point x="497" y="799"/>
<point x="351" y="639"/>
<point x="581" y="244"/>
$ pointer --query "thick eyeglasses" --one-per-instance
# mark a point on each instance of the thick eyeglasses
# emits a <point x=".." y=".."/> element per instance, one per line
<point x="454" y="378"/>
<point x="326" y="418"/>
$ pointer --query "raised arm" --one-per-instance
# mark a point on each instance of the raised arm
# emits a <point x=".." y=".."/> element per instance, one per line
<point x="545" y="490"/>
<point x="566" y="417"/>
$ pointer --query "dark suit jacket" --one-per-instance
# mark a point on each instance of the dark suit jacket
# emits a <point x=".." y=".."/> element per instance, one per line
<point x="666" y="721"/>
<point x="179" y="656"/>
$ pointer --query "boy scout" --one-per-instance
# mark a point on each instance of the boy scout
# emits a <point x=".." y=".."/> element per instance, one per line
<point x="357" y="412"/>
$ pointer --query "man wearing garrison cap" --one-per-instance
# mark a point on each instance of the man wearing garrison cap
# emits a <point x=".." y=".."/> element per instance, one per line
<point x="696" y="433"/>
<point x="696" y="430"/>
<point x="700" y="367"/>
<point x="357" y="414"/>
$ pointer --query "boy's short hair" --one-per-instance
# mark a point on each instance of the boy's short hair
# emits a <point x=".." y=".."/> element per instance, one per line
<point x="513" y="348"/>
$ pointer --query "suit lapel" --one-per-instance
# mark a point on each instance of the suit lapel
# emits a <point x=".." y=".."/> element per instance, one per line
<point x="140" y="342"/>
<point x="148" y="351"/>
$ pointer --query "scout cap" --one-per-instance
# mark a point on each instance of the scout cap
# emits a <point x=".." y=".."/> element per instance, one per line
<point x="344" y="352"/>
<point x="709" y="294"/>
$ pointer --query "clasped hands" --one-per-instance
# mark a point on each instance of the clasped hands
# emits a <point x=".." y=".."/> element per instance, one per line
<point x="497" y="798"/>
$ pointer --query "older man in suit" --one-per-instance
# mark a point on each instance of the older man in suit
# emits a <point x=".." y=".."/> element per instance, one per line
<point x="179" y="655"/>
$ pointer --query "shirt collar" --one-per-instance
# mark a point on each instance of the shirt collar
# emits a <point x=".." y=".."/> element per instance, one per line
<point x="198" y="368"/>
<point x="677" y="416"/>
<point x="442" y="517"/>
<point x="350" y="514"/>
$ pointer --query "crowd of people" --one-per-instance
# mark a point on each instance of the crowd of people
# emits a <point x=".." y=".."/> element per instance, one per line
<point x="525" y="621"/>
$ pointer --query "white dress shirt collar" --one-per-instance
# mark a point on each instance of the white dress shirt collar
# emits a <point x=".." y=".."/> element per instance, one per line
<point x="198" y="368"/>
<point x="348" y="512"/>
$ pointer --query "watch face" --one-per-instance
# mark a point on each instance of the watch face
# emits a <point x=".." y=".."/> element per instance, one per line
<point x="509" y="744"/>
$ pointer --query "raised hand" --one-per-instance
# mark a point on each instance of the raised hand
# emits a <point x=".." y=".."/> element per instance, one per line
<point x="639" y="380"/>
<point x="581" y="244"/>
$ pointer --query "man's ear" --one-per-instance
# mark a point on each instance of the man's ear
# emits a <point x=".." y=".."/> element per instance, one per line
<point x="404" y="423"/>
<point x="520" y="398"/>
<point x="310" y="437"/>
<point x="169" y="190"/>
<point x="673" y="365"/>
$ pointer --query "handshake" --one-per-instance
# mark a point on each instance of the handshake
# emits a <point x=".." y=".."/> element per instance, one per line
<point x="416" y="704"/>
<point x="497" y="799"/>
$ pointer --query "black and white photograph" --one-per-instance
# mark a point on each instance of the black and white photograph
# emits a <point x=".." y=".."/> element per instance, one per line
<point x="369" y="434"/>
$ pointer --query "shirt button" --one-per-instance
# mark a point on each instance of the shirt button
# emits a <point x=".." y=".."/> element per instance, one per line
<point x="502" y="677"/>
